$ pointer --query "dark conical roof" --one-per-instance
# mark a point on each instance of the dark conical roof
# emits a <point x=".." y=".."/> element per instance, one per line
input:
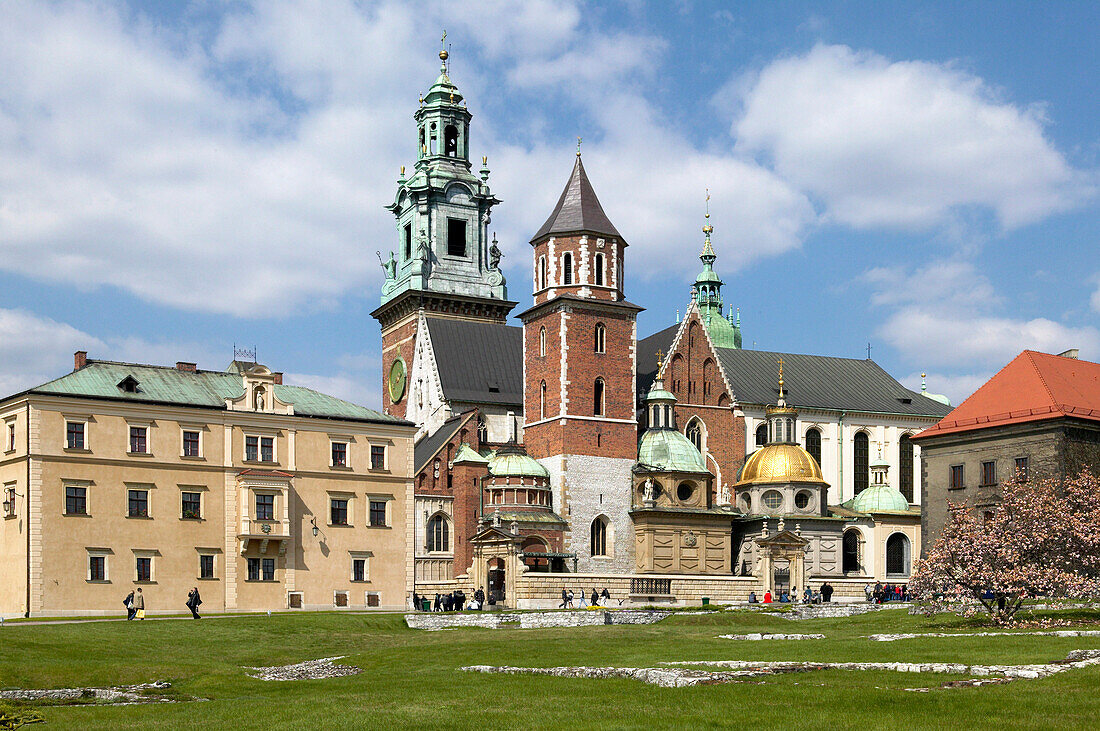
<point x="578" y="210"/>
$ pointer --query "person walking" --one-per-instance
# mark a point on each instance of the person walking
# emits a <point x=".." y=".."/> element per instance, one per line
<point x="564" y="599"/>
<point x="595" y="598"/>
<point x="569" y="599"/>
<point x="128" y="602"/>
<point x="605" y="595"/>
<point x="437" y="605"/>
<point x="193" y="602"/>
<point x="139" y="604"/>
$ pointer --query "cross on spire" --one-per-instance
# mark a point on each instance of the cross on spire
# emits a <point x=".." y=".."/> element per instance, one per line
<point x="578" y="147"/>
<point x="660" y="358"/>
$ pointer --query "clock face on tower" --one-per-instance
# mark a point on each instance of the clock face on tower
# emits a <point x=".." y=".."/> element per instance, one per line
<point x="397" y="380"/>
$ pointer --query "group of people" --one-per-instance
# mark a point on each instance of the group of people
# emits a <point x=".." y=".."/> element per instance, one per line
<point x="598" y="599"/>
<point x="808" y="596"/>
<point x="135" y="604"/>
<point x="878" y="592"/>
<point x="454" y="601"/>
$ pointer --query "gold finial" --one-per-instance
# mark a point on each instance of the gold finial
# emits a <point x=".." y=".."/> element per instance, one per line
<point x="707" y="228"/>
<point x="421" y="99"/>
<point x="452" y="97"/>
<point x="578" y="147"/>
<point x="402" y="171"/>
<point x="660" y="358"/>
<point x="484" y="159"/>
<point x="780" y="361"/>
<point x="443" y="42"/>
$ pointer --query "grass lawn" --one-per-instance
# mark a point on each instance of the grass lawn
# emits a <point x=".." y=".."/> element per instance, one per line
<point x="411" y="678"/>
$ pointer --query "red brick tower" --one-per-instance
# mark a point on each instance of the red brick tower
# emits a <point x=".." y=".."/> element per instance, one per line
<point x="579" y="375"/>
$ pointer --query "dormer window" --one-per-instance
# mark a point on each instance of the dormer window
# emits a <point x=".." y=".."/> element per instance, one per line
<point x="129" y="384"/>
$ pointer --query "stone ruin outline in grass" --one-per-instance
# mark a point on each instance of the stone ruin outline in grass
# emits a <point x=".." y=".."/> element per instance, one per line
<point x="1044" y="633"/>
<point x="320" y="669"/>
<point x="757" y="636"/>
<point x="735" y="671"/>
<point x="118" y="695"/>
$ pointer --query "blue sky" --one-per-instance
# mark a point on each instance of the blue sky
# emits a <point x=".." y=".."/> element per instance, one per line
<point x="180" y="177"/>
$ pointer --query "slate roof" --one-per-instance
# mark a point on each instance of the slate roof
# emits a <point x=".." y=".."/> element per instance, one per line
<point x="201" y="388"/>
<point x="1032" y="387"/>
<point x="822" y="382"/>
<point x="647" y="355"/>
<point x="578" y="209"/>
<point x="429" y="444"/>
<point x="478" y="362"/>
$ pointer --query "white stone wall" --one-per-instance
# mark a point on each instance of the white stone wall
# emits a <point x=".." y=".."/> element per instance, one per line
<point x="599" y="486"/>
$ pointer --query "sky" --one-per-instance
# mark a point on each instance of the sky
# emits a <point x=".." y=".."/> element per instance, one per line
<point x="917" y="178"/>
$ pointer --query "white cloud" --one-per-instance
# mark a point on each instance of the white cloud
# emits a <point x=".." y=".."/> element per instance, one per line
<point x="906" y="144"/>
<point x="1095" y="299"/>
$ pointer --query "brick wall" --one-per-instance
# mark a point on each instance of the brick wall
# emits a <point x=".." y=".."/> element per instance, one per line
<point x="399" y="340"/>
<point x="583" y="250"/>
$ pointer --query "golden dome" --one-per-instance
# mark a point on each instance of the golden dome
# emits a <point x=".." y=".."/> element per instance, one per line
<point x="780" y="463"/>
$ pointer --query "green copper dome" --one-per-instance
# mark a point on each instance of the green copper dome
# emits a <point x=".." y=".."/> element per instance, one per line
<point x="879" y="499"/>
<point x="515" y="463"/>
<point x="669" y="450"/>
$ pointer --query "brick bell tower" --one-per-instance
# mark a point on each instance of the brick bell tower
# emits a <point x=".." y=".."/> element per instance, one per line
<point x="445" y="265"/>
<point x="579" y="376"/>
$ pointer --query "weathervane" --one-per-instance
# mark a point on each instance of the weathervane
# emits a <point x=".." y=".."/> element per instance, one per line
<point x="578" y="147"/>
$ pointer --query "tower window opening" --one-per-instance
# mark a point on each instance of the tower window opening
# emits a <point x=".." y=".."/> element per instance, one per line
<point x="542" y="272"/>
<point x="567" y="268"/>
<point x="598" y="280"/>
<point x="420" y="150"/>
<point x="456" y="237"/>
<point x="600" y="338"/>
<point x="598" y="537"/>
<point x="408" y="241"/>
<point x="542" y="400"/>
<point x="450" y="141"/>
<point x="542" y="342"/>
<point x="598" y="398"/>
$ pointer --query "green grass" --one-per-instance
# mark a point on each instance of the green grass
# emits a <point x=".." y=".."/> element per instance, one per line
<point x="411" y="678"/>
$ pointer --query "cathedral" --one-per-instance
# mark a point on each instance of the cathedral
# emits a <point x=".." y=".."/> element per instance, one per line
<point x="566" y="446"/>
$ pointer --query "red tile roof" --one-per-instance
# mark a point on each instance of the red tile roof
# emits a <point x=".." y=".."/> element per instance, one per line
<point x="1033" y="387"/>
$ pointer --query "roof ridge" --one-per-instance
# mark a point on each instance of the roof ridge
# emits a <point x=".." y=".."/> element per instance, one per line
<point x="1039" y="372"/>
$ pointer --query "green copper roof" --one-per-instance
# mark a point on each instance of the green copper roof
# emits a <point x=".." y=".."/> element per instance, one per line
<point x="515" y="463"/>
<point x="722" y="332"/>
<point x="206" y="389"/>
<point x="878" y="499"/>
<point x="669" y="450"/>
<point x="467" y="454"/>
<point x="658" y="393"/>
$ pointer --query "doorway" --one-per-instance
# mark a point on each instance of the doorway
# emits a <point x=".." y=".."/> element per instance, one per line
<point x="496" y="580"/>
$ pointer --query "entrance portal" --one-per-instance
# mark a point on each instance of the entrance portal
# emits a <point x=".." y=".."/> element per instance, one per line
<point x="781" y="576"/>
<point x="496" y="580"/>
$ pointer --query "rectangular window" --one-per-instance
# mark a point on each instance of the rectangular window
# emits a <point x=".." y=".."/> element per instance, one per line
<point x="338" y="509"/>
<point x="11" y="437"/>
<point x="359" y="569"/>
<point x="377" y="457"/>
<point x="206" y="566"/>
<point x="74" y="435"/>
<point x="138" y="504"/>
<point x="378" y="512"/>
<point x="253" y="569"/>
<point x="265" y="507"/>
<point x="1021" y="469"/>
<point x="251" y="449"/>
<point x="139" y="443"/>
<point x="190" y="444"/>
<point x="76" y="500"/>
<point x="97" y="568"/>
<point x="268" y="566"/>
<point x="408" y="241"/>
<point x="456" y="237"/>
<point x="191" y="508"/>
<point x="989" y="474"/>
<point x="957" y="477"/>
<point x="267" y="449"/>
<point x="144" y="568"/>
<point x="339" y="454"/>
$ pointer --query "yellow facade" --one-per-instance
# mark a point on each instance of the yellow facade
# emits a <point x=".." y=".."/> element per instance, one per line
<point x="46" y="550"/>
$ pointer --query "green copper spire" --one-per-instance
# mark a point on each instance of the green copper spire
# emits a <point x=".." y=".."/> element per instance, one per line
<point x="707" y="292"/>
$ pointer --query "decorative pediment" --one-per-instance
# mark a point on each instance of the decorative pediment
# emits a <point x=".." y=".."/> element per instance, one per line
<point x="784" y="538"/>
<point x="259" y="393"/>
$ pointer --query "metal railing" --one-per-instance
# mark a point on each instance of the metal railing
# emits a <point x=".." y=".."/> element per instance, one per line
<point x="651" y="587"/>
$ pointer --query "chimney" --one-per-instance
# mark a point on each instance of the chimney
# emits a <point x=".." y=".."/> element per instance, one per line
<point x="185" y="366"/>
<point x="278" y="378"/>
<point x="80" y="359"/>
<point x="1071" y="353"/>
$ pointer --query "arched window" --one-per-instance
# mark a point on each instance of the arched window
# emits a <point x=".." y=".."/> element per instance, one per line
<point x="542" y="272"/>
<point x="677" y="372"/>
<point x="598" y="280"/>
<point x="438" y="534"/>
<point x="598" y="537"/>
<point x="850" y="552"/>
<point x="567" y="268"/>
<point x="708" y="376"/>
<point x="897" y="555"/>
<point x="542" y="400"/>
<point x="423" y="149"/>
<point x="862" y="463"/>
<point x="601" y="338"/>
<point x="761" y="435"/>
<point x="598" y="398"/>
<point x="813" y="444"/>
<point x="905" y="467"/>
<point x="694" y="433"/>
<point x="482" y="430"/>
<point x="450" y="141"/>
<point x="542" y="341"/>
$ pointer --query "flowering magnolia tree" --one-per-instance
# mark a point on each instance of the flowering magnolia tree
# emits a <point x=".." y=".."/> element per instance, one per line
<point x="1041" y="539"/>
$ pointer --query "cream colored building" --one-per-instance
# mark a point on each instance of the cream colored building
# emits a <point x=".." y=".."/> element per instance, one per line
<point x="263" y="495"/>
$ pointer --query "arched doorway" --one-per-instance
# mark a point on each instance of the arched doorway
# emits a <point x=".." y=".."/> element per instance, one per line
<point x="495" y="580"/>
<point x="897" y="556"/>
<point x="850" y="552"/>
<point x="781" y="577"/>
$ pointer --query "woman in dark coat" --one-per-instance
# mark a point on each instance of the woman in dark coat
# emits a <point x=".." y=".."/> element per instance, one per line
<point x="193" y="602"/>
<point x="128" y="602"/>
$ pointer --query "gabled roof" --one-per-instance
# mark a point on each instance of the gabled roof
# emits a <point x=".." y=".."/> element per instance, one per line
<point x="647" y="355"/>
<point x="578" y="209"/>
<point x="1033" y="387"/>
<point x="430" y="444"/>
<point x="821" y="382"/>
<point x="478" y="362"/>
<point x="200" y="388"/>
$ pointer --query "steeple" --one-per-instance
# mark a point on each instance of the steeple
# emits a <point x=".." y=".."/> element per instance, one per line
<point x="578" y="210"/>
<point x="707" y="293"/>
